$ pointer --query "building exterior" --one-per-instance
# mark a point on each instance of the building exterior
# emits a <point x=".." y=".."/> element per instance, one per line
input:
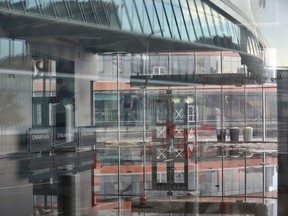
<point x="130" y="94"/>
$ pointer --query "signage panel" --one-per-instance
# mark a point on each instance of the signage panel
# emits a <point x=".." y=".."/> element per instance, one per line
<point x="39" y="139"/>
<point x="43" y="168"/>
<point x="87" y="136"/>
<point x="66" y="163"/>
<point x="86" y="160"/>
<point x="40" y="169"/>
<point x="64" y="138"/>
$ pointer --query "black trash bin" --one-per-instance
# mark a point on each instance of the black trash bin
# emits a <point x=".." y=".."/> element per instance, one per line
<point x="234" y="134"/>
<point x="221" y="134"/>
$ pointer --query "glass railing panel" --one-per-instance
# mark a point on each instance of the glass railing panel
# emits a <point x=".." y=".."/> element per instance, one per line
<point x="219" y="28"/>
<point x="188" y="20"/>
<point x="18" y="50"/>
<point x="208" y="161"/>
<point x="234" y="177"/>
<point x="132" y="170"/>
<point x="270" y="116"/>
<point x="234" y="113"/>
<point x="110" y="10"/>
<point x="255" y="178"/>
<point x="203" y="23"/>
<point x="151" y="12"/>
<point x="210" y="21"/>
<point x="5" y="51"/>
<point x="106" y="173"/>
<point x="61" y="9"/>
<point x="33" y="6"/>
<point x="261" y="172"/>
<point x="208" y="114"/>
<point x="129" y="125"/>
<point x="162" y="17"/>
<point x="271" y="172"/>
<point x="101" y="12"/>
<point x="133" y="14"/>
<point x="75" y="10"/>
<point x="235" y="38"/>
<point x="48" y="7"/>
<point x="144" y="20"/>
<point x="4" y="3"/>
<point x="18" y="5"/>
<point x="180" y="21"/>
<point x="180" y="18"/>
<point x="170" y="10"/>
<point x="195" y="20"/>
<point x="181" y="64"/>
<point x="86" y="7"/>
<point x="122" y="13"/>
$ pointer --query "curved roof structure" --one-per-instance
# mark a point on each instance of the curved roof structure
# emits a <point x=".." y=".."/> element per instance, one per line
<point x="137" y="26"/>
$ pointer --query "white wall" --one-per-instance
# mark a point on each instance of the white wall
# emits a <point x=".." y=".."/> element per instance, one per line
<point x="85" y="65"/>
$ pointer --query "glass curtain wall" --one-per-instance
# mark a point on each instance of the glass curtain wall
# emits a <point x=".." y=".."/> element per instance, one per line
<point x="78" y="138"/>
<point x="193" y="21"/>
<point x="187" y="120"/>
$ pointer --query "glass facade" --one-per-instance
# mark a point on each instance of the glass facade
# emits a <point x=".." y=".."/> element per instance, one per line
<point x="94" y="121"/>
<point x="192" y="21"/>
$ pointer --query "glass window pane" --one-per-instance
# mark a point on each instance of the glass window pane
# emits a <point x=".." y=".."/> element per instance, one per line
<point x="226" y="28"/>
<point x="188" y="20"/>
<point x="17" y="4"/>
<point x="132" y="13"/>
<point x="235" y="39"/>
<point x="179" y="20"/>
<point x="196" y="22"/>
<point x="111" y="13"/>
<point x="5" y="50"/>
<point x="152" y="15"/>
<point x="218" y="24"/>
<point x="122" y="14"/>
<point x="211" y="24"/>
<point x="203" y="21"/>
<point x="61" y="9"/>
<point x="17" y="48"/>
<point x="48" y="8"/>
<point x="101" y="13"/>
<point x="143" y="16"/>
<point x="87" y="8"/>
<point x="32" y="6"/>
<point x="4" y="3"/>
<point x="74" y="7"/>
<point x="162" y="18"/>
<point x="17" y="52"/>
<point x="171" y="19"/>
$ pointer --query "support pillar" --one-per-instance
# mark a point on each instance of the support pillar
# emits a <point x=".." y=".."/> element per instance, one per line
<point x="68" y="201"/>
<point x="282" y="111"/>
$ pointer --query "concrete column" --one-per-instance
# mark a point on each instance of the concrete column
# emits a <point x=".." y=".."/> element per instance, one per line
<point x="282" y="111"/>
<point x="68" y="200"/>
